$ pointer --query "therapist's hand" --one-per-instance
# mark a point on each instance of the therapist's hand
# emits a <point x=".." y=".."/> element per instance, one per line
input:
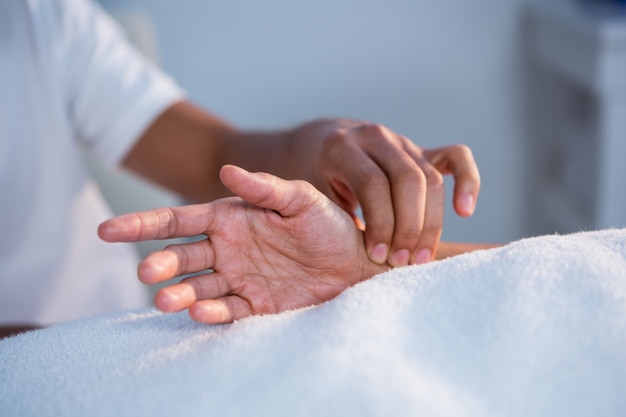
<point x="398" y="185"/>
<point x="282" y="245"/>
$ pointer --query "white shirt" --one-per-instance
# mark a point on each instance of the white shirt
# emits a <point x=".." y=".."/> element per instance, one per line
<point x="68" y="78"/>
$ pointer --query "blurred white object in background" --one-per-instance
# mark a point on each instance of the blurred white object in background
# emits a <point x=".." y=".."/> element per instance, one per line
<point x="577" y="104"/>
<point x="123" y="191"/>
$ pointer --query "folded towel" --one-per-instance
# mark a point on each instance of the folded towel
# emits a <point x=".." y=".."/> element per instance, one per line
<point x="535" y="328"/>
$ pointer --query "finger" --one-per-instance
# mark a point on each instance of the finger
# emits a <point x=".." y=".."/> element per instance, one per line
<point x="409" y="190"/>
<point x="410" y="196"/>
<point x="434" y="207"/>
<point x="180" y="296"/>
<point x="177" y="260"/>
<point x="268" y="191"/>
<point x="433" y="216"/>
<point x="161" y="223"/>
<point x="223" y="310"/>
<point x="458" y="160"/>
<point x="371" y="186"/>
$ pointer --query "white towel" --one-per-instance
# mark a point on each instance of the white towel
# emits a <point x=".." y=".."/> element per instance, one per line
<point x="536" y="328"/>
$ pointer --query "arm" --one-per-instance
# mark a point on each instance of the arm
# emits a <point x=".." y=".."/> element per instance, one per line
<point x="8" y="331"/>
<point x="449" y="249"/>
<point x="185" y="147"/>
<point x="398" y="185"/>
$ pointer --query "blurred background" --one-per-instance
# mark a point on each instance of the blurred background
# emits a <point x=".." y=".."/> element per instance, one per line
<point x="536" y="89"/>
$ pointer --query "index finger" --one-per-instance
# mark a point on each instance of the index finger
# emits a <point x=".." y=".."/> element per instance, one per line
<point x="160" y="223"/>
<point x="458" y="160"/>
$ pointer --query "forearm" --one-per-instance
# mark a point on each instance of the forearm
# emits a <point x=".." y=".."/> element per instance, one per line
<point x="185" y="147"/>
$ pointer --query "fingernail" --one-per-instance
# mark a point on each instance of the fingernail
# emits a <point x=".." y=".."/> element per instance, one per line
<point x="166" y="301"/>
<point x="212" y="313"/>
<point x="400" y="258"/>
<point x="423" y="256"/>
<point x="379" y="253"/>
<point x="466" y="203"/>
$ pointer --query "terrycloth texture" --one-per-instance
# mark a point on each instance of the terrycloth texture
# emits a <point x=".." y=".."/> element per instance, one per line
<point x="536" y="328"/>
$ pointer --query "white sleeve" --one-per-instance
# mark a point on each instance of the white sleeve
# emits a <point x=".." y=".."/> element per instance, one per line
<point x="113" y="92"/>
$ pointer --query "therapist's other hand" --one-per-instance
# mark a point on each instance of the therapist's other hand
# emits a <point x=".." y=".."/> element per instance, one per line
<point x="282" y="245"/>
<point x="398" y="185"/>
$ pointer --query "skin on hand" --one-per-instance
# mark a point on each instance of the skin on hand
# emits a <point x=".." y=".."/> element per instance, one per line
<point x="282" y="245"/>
<point x="397" y="184"/>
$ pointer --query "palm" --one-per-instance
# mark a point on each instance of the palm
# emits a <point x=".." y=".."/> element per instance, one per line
<point x="287" y="247"/>
<point x="276" y="263"/>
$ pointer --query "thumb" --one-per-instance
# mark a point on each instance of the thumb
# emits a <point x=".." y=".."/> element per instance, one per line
<point x="288" y="198"/>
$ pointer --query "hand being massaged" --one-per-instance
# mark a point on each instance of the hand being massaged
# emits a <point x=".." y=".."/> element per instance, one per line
<point x="279" y="245"/>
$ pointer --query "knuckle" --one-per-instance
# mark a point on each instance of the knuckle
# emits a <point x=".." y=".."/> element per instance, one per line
<point x="372" y="177"/>
<point x="373" y="131"/>
<point x="306" y="186"/>
<point x="431" y="230"/>
<point x="336" y="139"/>
<point x="408" y="236"/>
<point x="166" y="221"/>
<point x="462" y="151"/>
<point x="434" y="179"/>
<point x="382" y="228"/>
<point x="373" y="128"/>
<point x="141" y="225"/>
<point x="411" y="175"/>
<point x="335" y="144"/>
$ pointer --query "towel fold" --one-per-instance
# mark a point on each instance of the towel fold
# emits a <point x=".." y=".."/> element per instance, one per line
<point x="535" y="328"/>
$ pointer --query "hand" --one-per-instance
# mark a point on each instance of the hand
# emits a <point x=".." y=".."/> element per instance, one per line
<point x="398" y="184"/>
<point x="284" y="246"/>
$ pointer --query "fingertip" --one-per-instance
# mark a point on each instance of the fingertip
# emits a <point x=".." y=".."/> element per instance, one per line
<point x="158" y="266"/>
<point x="106" y="231"/>
<point x="400" y="258"/>
<point x="379" y="253"/>
<point x="210" y="312"/>
<point x="241" y="182"/>
<point x="123" y="228"/>
<point x="378" y="234"/>
<point x="229" y="172"/>
<point x="175" y="298"/>
<point x="422" y="256"/>
<point x="228" y="168"/>
<point x="148" y="271"/>
<point x="465" y="204"/>
<point x="167" y="301"/>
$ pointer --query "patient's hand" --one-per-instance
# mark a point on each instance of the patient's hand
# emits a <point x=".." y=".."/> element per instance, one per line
<point x="283" y="245"/>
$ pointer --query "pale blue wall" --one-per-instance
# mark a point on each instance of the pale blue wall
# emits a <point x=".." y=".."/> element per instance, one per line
<point x="440" y="72"/>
